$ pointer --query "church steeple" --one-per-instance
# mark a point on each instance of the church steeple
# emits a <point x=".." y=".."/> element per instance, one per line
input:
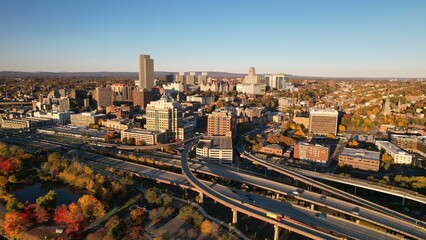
<point x="387" y="106"/>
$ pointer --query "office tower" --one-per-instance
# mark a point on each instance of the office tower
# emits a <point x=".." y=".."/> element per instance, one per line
<point x="323" y="122"/>
<point x="251" y="78"/>
<point x="146" y="72"/>
<point x="170" y="78"/>
<point x="180" y="77"/>
<point x="278" y="81"/>
<point x="141" y="97"/>
<point x="64" y="104"/>
<point x="190" y="79"/>
<point x="220" y="123"/>
<point x="103" y="96"/>
<point x="202" y="78"/>
<point x="165" y="115"/>
<point x="121" y="92"/>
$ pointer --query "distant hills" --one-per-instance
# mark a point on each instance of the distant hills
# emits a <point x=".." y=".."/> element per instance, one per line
<point x="105" y="74"/>
<point x="161" y="74"/>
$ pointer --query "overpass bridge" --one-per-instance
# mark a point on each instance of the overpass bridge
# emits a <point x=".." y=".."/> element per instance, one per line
<point x="178" y="180"/>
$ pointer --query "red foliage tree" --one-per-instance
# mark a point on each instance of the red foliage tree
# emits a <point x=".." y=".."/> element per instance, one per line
<point x="6" y="167"/>
<point x="41" y="215"/>
<point x="73" y="216"/>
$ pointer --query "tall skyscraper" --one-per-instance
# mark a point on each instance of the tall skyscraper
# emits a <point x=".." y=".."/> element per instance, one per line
<point x="146" y="73"/>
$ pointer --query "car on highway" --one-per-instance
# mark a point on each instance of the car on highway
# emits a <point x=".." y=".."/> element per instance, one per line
<point x="296" y="192"/>
<point x="321" y="216"/>
<point x="355" y="211"/>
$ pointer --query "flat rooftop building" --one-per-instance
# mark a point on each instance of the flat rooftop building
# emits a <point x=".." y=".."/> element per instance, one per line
<point x="360" y="159"/>
<point x="215" y="149"/>
<point x="399" y="156"/>
<point x="323" y="121"/>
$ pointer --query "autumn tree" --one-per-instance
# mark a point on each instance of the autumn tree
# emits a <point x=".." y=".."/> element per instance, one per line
<point x="353" y="143"/>
<point x="3" y="182"/>
<point x="110" y="136"/>
<point x="91" y="206"/>
<point x="153" y="196"/>
<point x="36" y="213"/>
<point x="15" y="223"/>
<point x="387" y="161"/>
<point x="342" y="128"/>
<point x="136" y="215"/>
<point x="208" y="227"/>
<point x="41" y="215"/>
<point x="167" y="199"/>
<point x="73" y="216"/>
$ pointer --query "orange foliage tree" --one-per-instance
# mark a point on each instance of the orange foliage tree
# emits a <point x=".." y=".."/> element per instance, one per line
<point x="15" y="223"/>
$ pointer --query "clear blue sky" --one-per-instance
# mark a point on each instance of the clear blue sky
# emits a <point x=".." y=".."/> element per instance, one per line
<point x="316" y="38"/>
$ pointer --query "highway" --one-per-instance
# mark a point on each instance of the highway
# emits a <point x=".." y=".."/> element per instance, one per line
<point x="212" y="169"/>
<point x="331" y="190"/>
<point x="362" y="184"/>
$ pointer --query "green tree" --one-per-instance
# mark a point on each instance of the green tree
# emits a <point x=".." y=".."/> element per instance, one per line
<point x="47" y="201"/>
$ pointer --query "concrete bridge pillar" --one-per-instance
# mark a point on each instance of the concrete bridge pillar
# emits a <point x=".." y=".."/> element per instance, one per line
<point x="200" y="197"/>
<point x="234" y="216"/>
<point x="312" y="206"/>
<point x="278" y="196"/>
<point x="276" y="232"/>
<point x="357" y="221"/>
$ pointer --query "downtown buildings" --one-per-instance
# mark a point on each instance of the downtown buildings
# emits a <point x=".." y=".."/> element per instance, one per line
<point x="323" y="121"/>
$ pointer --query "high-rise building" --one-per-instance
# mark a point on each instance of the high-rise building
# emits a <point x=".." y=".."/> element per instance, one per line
<point x="220" y="123"/>
<point x="146" y="72"/>
<point x="202" y="78"/>
<point x="64" y="104"/>
<point x="251" y="78"/>
<point x="180" y="78"/>
<point x="103" y="96"/>
<point x="141" y="97"/>
<point x="170" y="78"/>
<point x="121" y="92"/>
<point x="165" y="115"/>
<point x="323" y="121"/>
<point x="190" y="79"/>
<point x="278" y="81"/>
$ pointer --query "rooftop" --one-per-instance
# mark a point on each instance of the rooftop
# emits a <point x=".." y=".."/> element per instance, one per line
<point x="361" y="153"/>
<point x="389" y="146"/>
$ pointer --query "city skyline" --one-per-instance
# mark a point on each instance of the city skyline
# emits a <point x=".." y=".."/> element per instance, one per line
<point x="336" y="39"/>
